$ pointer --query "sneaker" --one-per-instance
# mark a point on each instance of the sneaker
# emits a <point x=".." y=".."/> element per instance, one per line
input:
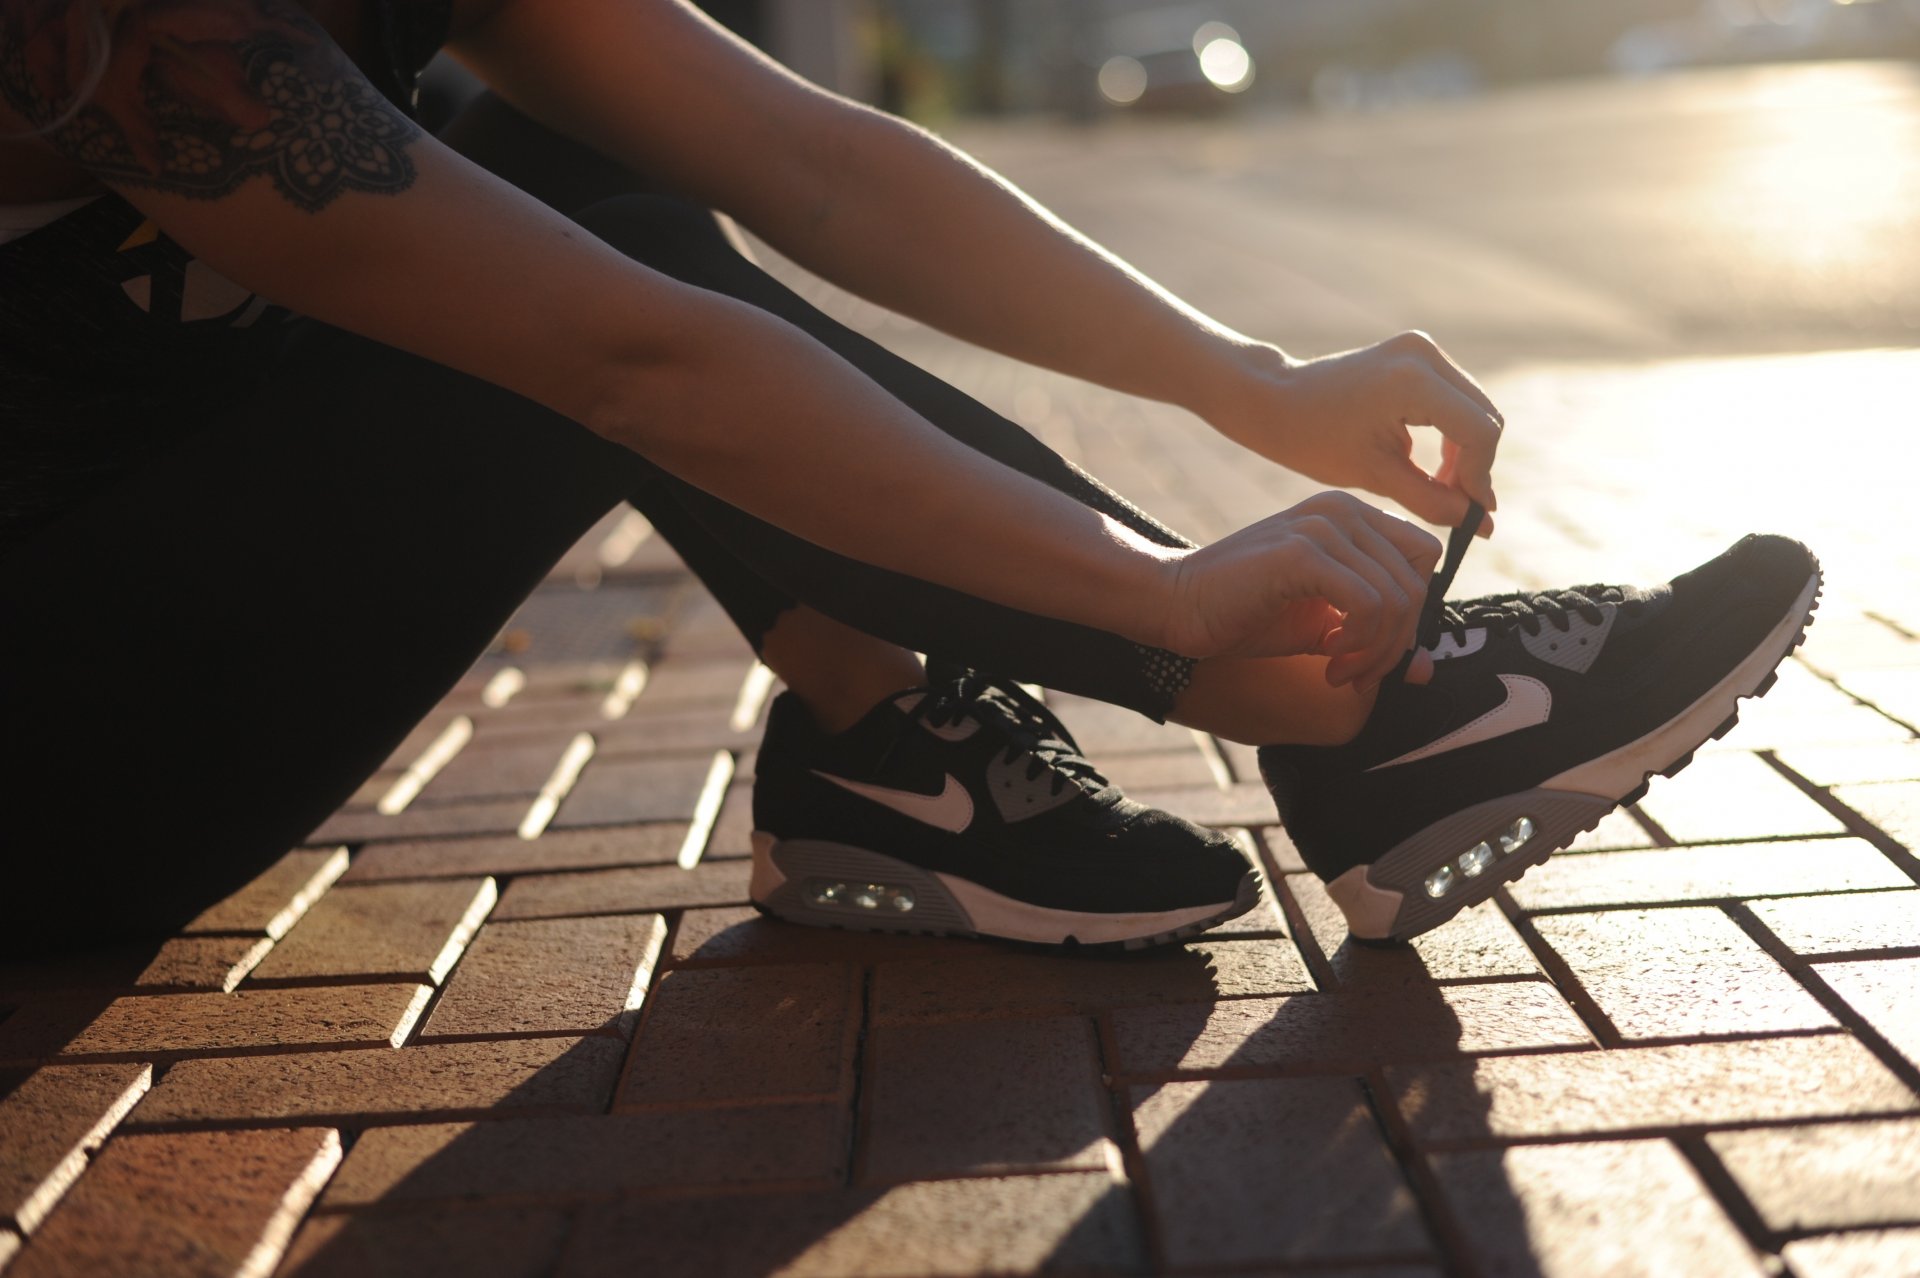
<point x="966" y="809"/>
<point x="1544" y="712"/>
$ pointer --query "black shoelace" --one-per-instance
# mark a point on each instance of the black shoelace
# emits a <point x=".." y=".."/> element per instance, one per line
<point x="1499" y="613"/>
<point x="1028" y="727"/>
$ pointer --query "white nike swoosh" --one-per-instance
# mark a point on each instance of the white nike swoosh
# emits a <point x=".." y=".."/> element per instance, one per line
<point x="1528" y="702"/>
<point x="950" y="810"/>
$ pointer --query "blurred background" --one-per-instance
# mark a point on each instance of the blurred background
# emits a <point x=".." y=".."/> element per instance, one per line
<point x="1678" y="239"/>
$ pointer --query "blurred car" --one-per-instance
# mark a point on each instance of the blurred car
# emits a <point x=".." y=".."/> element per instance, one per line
<point x="1163" y="61"/>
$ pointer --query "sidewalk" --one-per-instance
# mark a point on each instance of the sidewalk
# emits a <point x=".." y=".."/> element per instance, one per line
<point x="509" y="1014"/>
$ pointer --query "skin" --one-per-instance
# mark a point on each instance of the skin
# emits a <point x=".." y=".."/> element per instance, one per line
<point x="1296" y="617"/>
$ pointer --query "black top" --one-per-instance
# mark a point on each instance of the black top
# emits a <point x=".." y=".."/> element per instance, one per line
<point x="115" y="343"/>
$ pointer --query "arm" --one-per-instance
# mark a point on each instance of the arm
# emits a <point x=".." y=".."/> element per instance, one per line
<point x="894" y="214"/>
<point x="213" y="117"/>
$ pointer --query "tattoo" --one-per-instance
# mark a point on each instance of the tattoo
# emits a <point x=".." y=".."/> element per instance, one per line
<point x="200" y="95"/>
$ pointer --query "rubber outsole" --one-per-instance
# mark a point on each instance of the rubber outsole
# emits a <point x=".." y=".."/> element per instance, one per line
<point x="795" y="880"/>
<point x="1393" y="886"/>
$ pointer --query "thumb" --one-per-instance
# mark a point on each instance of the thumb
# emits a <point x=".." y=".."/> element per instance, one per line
<point x="1430" y="499"/>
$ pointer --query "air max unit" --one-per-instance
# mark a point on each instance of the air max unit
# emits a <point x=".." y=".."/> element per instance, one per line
<point x="1544" y="711"/>
<point x="965" y="808"/>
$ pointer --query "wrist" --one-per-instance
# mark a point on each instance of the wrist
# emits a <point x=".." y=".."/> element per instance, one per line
<point x="1241" y="373"/>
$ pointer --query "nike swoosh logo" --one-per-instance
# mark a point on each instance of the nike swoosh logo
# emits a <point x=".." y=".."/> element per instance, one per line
<point x="1528" y="702"/>
<point x="950" y="810"/>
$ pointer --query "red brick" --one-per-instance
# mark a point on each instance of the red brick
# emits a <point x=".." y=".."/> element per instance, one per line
<point x="555" y="1159"/>
<point x="1842" y="924"/>
<point x="1070" y="1223"/>
<point x="1630" y="1089"/>
<point x="1572" y="1211"/>
<point x="1894" y="807"/>
<point x="423" y="734"/>
<point x="372" y="790"/>
<point x="1476" y="944"/>
<point x="622" y="791"/>
<point x="680" y="682"/>
<point x="671" y="734"/>
<point x="187" y="1203"/>
<point x="1272" y="1170"/>
<point x="216" y="963"/>
<point x="492" y="816"/>
<point x="272" y="903"/>
<point x="746" y="1033"/>
<point x="1344" y="1032"/>
<point x="515" y="769"/>
<point x="168" y="1024"/>
<point x="1855" y="764"/>
<point x="1002" y="983"/>
<point x="1887" y="993"/>
<point x="1827" y="1176"/>
<point x="413" y="931"/>
<point x="556" y="850"/>
<point x="1286" y="857"/>
<point x="1873" y="1254"/>
<point x="50" y="1123"/>
<point x="431" y="1080"/>
<point x="1723" y="797"/>
<point x="625" y="891"/>
<point x="741" y="934"/>
<point x="1684" y="973"/>
<point x="983" y="1098"/>
<point x="485" y="1243"/>
<point x="1266" y="917"/>
<point x="565" y="976"/>
<point x="732" y="836"/>
<point x="1734" y="870"/>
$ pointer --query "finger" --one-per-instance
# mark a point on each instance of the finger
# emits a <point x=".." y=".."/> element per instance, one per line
<point x="1425" y="495"/>
<point x="1420" y="548"/>
<point x="1374" y="627"/>
<point x="1412" y="584"/>
<point x="1475" y="437"/>
<point x="1326" y="577"/>
<point x="1464" y="383"/>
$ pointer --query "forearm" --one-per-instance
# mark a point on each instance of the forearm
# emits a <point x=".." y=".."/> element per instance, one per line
<point x="757" y="413"/>
<point x="919" y="227"/>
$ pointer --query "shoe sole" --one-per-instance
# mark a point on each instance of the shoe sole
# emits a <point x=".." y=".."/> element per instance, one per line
<point x="825" y="884"/>
<point x="1388" y="900"/>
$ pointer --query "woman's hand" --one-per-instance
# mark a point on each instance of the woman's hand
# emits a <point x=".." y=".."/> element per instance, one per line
<point x="1343" y="420"/>
<point x="1332" y="576"/>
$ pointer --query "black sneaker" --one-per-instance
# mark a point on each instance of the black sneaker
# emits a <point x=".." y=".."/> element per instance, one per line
<point x="965" y="808"/>
<point x="1544" y="712"/>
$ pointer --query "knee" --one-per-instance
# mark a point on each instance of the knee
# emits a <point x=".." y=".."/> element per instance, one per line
<point x="671" y="235"/>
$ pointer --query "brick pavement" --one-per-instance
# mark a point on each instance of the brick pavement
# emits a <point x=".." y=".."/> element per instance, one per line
<point x="509" y="1014"/>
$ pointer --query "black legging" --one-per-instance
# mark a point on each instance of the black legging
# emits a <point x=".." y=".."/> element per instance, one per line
<point x="204" y="662"/>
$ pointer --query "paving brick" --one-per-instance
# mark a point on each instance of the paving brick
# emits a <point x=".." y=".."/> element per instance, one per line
<point x="1244" y="803"/>
<point x="1617" y="830"/>
<point x="1896" y="692"/>
<point x="9" y="1244"/>
<point x="1104" y="730"/>
<point x="1286" y="857"/>
<point x="217" y="963"/>
<point x="622" y="791"/>
<point x="1827" y="1176"/>
<point x="987" y="1097"/>
<point x="1733" y="870"/>
<point x="1067" y="1223"/>
<point x="275" y="901"/>
<point x="675" y="733"/>
<point x="732" y="834"/>
<point x="184" y="1203"/>
<point x="1733" y="796"/>
<point x="741" y="934"/>
<point x="428" y="1080"/>
<point x="1476" y="944"/>
<point x="1265" y="918"/>
<point x="26" y="980"/>
<point x="681" y="682"/>
<point x="496" y="1242"/>
<point x="999" y="983"/>
<point x="594" y="848"/>
<point x="1271" y="1170"/>
<point x="625" y="891"/>
<point x="1772" y="730"/>
<point x="49" y="1124"/>
<point x="489" y="816"/>
<point x="1631" y="1209"/>
<point x="1894" y="807"/>
<point x="423" y="734"/>
<point x="1873" y="1254"/>
<point x="1630" y="1089"/>
<point x="1887" y="993"/>
<point x="1681" y="973"/>
<point x="747" y="1033"/>
<point x="169" y="1024"/>
<point x="1161" y="770"/>
<point x="1838" y="644"/>
<point x="554" y="1159"/>
<point x="561" y="976"/>
<point x="411" y="931"/>
<point x="516" y="769"/>
<point x="1843" y="924"/>
<point x="1344" y="1032"/>
<point x="1854" y="764"/>
<point x="372" y="790"/>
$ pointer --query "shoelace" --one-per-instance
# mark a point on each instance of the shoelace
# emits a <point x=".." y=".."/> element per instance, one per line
<point x="1029" y="727"/>
<point x="1499" y="613"/>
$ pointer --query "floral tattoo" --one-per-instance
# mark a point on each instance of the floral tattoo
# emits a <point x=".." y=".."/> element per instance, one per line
<point x="197" y="96"/>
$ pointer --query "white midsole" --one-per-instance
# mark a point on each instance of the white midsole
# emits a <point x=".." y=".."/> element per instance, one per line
<point x="1616" y="773"/>
<point x="1002" y="916"/>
